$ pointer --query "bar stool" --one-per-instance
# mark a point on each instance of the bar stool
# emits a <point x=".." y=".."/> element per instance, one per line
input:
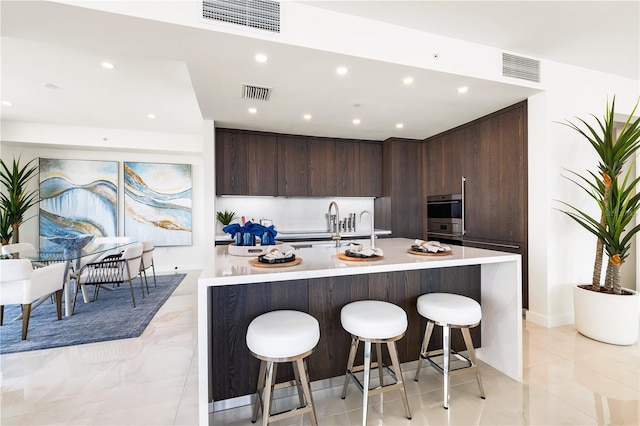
<point x="449" y="311"/>
<point x="283" y="336"/>
<point x="373" y="321"/>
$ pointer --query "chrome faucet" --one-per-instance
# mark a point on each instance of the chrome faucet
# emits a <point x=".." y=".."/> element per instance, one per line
<point x="373" y="235"/>
<point x="334" y="223"/>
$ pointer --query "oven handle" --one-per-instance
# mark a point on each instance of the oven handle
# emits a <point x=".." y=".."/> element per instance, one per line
<point x="430" y="203"/>
<point x="463" y="182"/>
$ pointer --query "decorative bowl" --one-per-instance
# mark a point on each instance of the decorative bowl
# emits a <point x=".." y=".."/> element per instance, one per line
<point x="71" y="242"/>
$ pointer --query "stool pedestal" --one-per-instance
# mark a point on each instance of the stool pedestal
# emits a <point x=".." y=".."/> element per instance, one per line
<point x="445" y="310"/>
<point x="377" y="322"/>
<point x="276" y="337"/>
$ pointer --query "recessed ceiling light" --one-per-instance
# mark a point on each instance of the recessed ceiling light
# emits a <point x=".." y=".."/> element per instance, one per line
<point x="252" y="110"/>
<point x="341" y="70"/>
<point x="463" y="89"/>
<point x="50" y="86"/>
<point x="307" y="116"/>
<point x="6" y="103"/>
<point x="399" y="126"/>
<point x="107" y="65"/>
<point x="407" y="80"/>
<point x="151" y="116"/>
<point x="260" y="57"/>
<point x="356" y="121"/>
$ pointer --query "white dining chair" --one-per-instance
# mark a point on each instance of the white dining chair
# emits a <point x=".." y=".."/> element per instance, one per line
<point x="17" y="248"/>
<point x="21" y="284"/>
<point x="147" y="262"/>
<point x="112" y="270"/>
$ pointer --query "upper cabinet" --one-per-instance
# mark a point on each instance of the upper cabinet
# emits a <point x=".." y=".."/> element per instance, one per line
<point x="245" y="163"/>
<point x="321" y="179"/>
<point x="358" y="168"/>
<point x="490" y="153"/>
<point x="256" y="163"/>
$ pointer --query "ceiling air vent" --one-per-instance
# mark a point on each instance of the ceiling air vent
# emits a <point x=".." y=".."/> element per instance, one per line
<point x="260" y="93"/>
<point x="261" y="14"/>
<point x="519" y="67"/>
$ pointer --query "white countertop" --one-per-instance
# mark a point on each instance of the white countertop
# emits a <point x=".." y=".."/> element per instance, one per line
<point x="319" y="262"/>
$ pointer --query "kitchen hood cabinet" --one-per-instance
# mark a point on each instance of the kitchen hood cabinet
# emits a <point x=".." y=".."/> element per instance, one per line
<point x="246" y="163"/>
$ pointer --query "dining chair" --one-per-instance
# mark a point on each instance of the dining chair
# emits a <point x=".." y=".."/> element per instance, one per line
<point x="112" y="269"/>
<point x="147" y="262"/>
<point x="17" y="248"/>
<point x="21" y="284"/>
<point x="107" y="240"/>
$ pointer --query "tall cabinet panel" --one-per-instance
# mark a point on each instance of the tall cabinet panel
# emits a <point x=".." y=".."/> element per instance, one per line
<point x="401" y="208"/>
<point x="491" y="154"/>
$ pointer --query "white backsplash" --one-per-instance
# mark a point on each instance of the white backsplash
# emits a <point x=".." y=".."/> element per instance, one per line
<point x="295" y="214"/>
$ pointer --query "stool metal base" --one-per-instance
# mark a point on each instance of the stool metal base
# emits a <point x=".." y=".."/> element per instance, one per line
<point x="395" y="373"/>
<point x="446" y="353"/>
<point x="267" y="385"/>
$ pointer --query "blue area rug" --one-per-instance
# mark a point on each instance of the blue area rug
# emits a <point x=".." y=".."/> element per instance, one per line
<point x="110" y="317"/>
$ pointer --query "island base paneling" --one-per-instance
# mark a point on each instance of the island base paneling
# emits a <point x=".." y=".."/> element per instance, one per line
<point x="232" y="307"/>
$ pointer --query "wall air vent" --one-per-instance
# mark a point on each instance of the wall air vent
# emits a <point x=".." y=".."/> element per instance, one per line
<point x="259" y="93"/>
<point x="519" y="67"/>
<point x="261" y="14"/>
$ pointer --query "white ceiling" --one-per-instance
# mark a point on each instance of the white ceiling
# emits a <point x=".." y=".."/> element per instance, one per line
<point x="162" y="68"/>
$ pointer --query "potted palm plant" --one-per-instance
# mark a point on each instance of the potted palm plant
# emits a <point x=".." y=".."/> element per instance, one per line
<point x="15" y="198"/>
<point x="614" y="191"/>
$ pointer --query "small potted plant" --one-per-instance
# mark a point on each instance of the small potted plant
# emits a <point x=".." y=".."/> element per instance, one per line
<point x="225" y="217"/>
<point x="15" y="198"/>
<point x="605" y="311"/>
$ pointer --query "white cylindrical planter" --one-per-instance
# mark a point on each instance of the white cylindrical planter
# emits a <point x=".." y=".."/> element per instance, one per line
<point x="609" y="318"/>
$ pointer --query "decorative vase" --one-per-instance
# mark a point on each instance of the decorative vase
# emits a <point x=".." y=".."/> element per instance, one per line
<point x="609" y="318"/>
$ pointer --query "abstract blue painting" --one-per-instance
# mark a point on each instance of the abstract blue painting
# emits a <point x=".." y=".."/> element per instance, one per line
<point x="77" y="197"/>
<point x="157" y="203"/>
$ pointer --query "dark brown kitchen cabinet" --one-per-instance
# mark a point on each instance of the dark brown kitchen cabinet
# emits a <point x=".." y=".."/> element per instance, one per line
<point x="321" y="167"/>
<point x="401" y="207"/>
<point x="246" y="163"/>
<point x="448" y="153"/>
<point x="491" y="154"/>
<point x="293" y="159"/>
<point x="358" y="168"/>
<point x="496" y="178"/>
<point x="259" y="163"/>
<point x="369" y="169"/>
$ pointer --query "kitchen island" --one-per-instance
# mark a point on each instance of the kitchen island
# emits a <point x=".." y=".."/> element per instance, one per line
<point x="232" y="291"/>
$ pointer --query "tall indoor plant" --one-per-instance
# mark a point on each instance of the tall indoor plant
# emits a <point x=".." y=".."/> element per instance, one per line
<point x="15" y="198"/>
<point x="614" y="191"/>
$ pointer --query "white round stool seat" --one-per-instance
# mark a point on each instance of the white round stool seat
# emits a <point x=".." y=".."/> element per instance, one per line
<point x="446" y="308"/>
<point x="282" y="334"/>
<point x="373" y="319"/>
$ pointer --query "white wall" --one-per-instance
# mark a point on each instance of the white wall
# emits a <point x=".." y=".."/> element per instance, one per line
<point x="561" y="253"/>
<point x="28" y="141"/>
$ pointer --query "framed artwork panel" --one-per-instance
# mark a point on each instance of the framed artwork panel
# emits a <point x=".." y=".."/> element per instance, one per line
<point x="77" y="197"/>
<point x="157" y="203"/>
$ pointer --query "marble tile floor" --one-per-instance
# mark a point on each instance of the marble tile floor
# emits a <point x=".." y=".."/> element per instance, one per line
<point x="152" y="380"/>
